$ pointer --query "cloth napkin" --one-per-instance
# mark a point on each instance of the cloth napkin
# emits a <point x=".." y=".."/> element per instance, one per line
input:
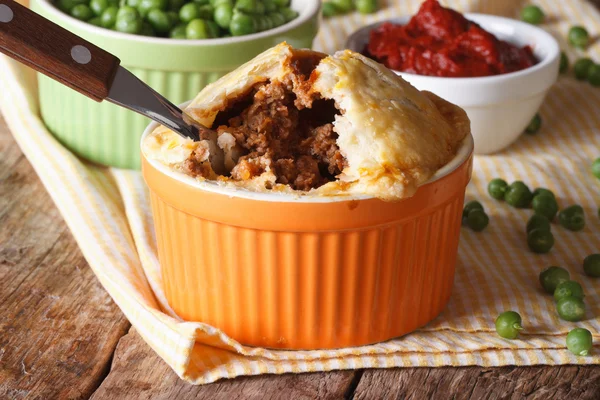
<point x="109" y="215"/>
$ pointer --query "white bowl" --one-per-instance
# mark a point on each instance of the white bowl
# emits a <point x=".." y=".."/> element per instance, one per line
<point x="501" y="106"/>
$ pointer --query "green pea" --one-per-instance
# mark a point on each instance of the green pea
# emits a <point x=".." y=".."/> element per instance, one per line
<point x="594" y="75"/>
<point x="551" y="277"/>
<point x="82" y="12"/>
<point x="591" y="265"/>
<point x="477" y="220"/>
<point x="133" y="3"/>
<point x="147" y="29"/>
<point x="533" y="15"/>
<point x="146" y="5"/>
<point x="242" y="24"/>
<point x="538" y="222"/>
<point x="581" y="68"/>
<point x="580" y="341"/>
<point x="178" y="32"/>
<point x="175" y="5"/>
<point x="540" y="241"/>
<point x="98" y="6"/>
<point x="518" y="195"/>
<point x="497" y="187"/>
<point x="67" y="5"/>
<point x="223" y="15"/>
<point x="329" y="9"/>
<point x="572" y="218"/>
<point x="545" y="205"/>
<point x="470" y="206"/>
<point x="213" y="29"/>
<point x="596" y="168"/>
<point x="281" y="3"/>
<point x="277" y="19"/>
<point x="197" y="29"/>
<point x="288" y="14"/>
<point x="109" y="17"/>
<point x="568" y="289"/>
<point x="133" y="26"/>
<point x="543" y="191"/>
<point x="564" y="63"/>
<point x="579" y="37"/>
<point x="96" y="21"/>
<point x="366" y="6"/>
<point x="508" y="324"/>
<point x="127" y="13"/>
<point x="571" y="309"/>
<point x="159" y="21"/>
<point x="534" y="125"/>
<point x="343" y="5"/>
<point x="189" y="12"/>
<point x="202" y="2"/>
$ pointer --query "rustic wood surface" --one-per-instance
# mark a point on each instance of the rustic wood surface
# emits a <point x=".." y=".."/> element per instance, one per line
<point x="62" y="337"/>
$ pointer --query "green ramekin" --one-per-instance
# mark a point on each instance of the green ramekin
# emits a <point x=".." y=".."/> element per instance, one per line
<point x="178" y="69"/>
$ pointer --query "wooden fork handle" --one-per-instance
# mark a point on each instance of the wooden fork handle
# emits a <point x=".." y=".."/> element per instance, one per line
<point x="52" y="50"/>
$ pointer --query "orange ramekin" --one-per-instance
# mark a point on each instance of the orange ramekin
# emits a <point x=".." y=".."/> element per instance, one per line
<point x="281" y="271"/>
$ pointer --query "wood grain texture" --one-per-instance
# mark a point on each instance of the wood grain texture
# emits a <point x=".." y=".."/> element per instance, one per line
<point x="138" y="373"/>
<point x="539" y="382"/>
<point x="46" y="47"/>
<point x="58" y="327"/>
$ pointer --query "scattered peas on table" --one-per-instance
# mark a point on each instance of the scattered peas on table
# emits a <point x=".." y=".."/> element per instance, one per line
<point x="532" y="14"/>
<point x="509" y="324"/>
<point x="564" y="63"/>
<point x="579" y="341"/>
<point x="568" y="289"/>
<point x="578" y="37"/>
<point x="553" y="276"/>
<point x="182" y="19"/>
<point x="474" y="216"/>
<point x="572" y="218"/>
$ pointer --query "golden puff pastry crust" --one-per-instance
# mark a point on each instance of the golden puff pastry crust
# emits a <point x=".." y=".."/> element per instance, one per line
<point x="393" y="136"/>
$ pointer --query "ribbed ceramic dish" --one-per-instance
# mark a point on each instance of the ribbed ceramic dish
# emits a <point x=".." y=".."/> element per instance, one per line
<point x="277" y="271"/>
<point x="178" y="69"/>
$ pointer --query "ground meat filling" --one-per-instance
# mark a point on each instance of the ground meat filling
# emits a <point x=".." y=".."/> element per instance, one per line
<point x="287" y="129"/>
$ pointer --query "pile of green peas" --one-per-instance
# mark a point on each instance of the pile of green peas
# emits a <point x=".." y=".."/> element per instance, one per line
<point x="182" y="19"/>
<point x="474" y="216"/>
<point x="331" y="8"/>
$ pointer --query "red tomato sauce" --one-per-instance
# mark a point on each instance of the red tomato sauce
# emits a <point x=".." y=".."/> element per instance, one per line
<point x="439" y="41"/>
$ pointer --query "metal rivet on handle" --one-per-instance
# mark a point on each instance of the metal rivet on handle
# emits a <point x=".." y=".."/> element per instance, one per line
<point x="6" y="14"/>
<point x="81" y="54"/>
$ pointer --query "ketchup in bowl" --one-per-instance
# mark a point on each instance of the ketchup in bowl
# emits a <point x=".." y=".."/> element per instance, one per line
<point x="439" y="41"/>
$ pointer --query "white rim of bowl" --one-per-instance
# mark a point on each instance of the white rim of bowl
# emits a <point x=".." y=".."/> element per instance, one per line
<point x="465" y="149"/>
<point x="553" y="53"/>
<point x="305" y="13"/>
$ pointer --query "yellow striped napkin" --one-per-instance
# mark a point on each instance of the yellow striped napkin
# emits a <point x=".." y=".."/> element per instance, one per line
<point x="107" y="210"/>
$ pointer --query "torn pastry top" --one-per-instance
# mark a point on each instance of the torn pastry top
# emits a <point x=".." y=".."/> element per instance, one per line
<point x="302" y="122"/>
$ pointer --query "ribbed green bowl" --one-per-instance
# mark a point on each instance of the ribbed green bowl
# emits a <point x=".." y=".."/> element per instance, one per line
<point x="178" y="69"/>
